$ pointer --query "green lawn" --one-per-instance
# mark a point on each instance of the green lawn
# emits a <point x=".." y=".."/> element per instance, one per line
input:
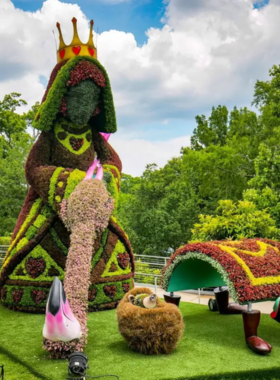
<point x="212" y="347"/>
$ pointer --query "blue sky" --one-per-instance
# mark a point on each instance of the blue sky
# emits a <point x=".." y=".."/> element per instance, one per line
<point x="204" y="53"/>
<point x="261" y="3"/>
<point x="130" y="16"/>
<point x="136" y="17"/>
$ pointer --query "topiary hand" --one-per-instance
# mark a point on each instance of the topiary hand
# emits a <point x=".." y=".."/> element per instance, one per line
<point x="89" y="204"/>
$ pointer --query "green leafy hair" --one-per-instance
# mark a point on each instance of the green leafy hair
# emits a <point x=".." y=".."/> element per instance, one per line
<point x="105" y="121"/>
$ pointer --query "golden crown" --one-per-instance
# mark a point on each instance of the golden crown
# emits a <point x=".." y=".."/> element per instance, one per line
<point x="76" y="47"/>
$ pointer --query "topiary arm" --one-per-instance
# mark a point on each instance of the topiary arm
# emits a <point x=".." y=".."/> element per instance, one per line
<point x="52" y="183"/>
<point x="111" y="163"/>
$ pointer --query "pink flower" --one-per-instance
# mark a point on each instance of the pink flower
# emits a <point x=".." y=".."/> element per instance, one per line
<point x="86" y="212"/>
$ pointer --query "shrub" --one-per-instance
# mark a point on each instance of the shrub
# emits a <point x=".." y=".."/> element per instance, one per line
<point x="5" y="240"/>
<point x="235" y="221"/>
<point x="146" y="269"/>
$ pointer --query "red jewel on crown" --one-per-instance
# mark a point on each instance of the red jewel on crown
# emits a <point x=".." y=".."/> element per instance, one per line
<point x="76" y="49"/>
<point x="62" y="53"/>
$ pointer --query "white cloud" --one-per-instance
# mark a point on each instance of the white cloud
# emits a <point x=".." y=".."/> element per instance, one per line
<point x="27" y="46"/>
<point x="208" y="52"/>
<point x="137" y="153"/>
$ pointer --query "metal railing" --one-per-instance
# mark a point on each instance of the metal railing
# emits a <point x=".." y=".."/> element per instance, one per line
<point x="154" y="282"/>
<point x="152" y="260"/>
<point x="148" y="269"/>
<point x="3" y="249"/>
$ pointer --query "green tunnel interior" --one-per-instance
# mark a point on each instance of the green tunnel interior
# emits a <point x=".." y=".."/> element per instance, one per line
<point x="193" y="274"/>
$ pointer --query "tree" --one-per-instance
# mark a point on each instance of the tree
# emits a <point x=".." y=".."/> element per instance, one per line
<point x="13" y="186"/>
<point x="235" y="221"/>
<point x="212" y="131"/>
<point x="214" y="173"/>
<point x="264" y="188"/>
<point x="15" y="144"/>
<point x="159" y="211"/>
<point x="160" y="208"/>
<point x="10" y="121"/>
<point x="29" y="117"/>
<point x="267" y="100"/>
<point x="245" y="134"/>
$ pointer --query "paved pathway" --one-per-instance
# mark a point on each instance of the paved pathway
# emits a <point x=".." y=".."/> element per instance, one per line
<point x="264" y="307"/>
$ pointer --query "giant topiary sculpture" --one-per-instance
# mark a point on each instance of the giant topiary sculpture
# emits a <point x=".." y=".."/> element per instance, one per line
<point x="250" y="269"/>
<point x="75" y="117"/>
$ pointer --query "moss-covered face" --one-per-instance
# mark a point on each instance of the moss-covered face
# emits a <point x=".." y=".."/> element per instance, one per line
<point x="81" y="101"/>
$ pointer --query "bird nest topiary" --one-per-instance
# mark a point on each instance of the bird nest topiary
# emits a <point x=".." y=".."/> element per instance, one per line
<point x="149" y="331"/>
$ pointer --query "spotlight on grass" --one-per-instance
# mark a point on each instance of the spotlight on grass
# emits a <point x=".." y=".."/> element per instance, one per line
<point x="77" y="363"/>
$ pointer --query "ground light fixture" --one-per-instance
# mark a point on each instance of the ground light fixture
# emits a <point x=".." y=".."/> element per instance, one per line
<point x="78" y="366"/>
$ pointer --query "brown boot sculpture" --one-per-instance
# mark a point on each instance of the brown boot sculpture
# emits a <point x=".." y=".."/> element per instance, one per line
<point x="222" y="299"/>
<point x="251" y="320"/>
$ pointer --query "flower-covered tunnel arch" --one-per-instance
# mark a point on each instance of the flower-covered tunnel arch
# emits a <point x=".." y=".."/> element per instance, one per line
<point x="250" y="268"/>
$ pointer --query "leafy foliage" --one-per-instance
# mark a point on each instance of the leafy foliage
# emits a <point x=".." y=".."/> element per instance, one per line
<point x="29" y="117"/>
<point x="212" y="131"/>
<point x="157" y="211"/>
<point x="11" y="122"/>
<point x="13" y="187"/>
<point x="230" y="173"/>
<point x="5" y="240"/>
<point x="146" y="270"/>
<point x="265" y="186"/>
<point x="235" y="221"/>
<point x="15" y="144"/>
